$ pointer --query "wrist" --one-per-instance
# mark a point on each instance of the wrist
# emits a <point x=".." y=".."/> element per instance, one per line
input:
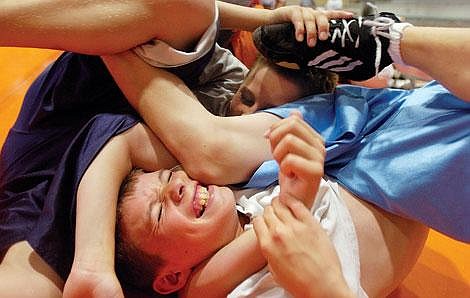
<point x="272" y="16"/>
<point x="338" y="287"/>
<point x="97" y="265"/>
<point x="84" y="283"/>
<point x="94" y="255"/>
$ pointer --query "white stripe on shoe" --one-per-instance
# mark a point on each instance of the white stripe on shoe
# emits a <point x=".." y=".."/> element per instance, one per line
<point x="349" y="67"/>
<point x="319" y="59"/>
<point x="342" y="60"/>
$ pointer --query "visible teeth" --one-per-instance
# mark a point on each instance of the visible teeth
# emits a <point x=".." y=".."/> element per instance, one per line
<point x="200" y="200"/>
<point x="203" y="196"/>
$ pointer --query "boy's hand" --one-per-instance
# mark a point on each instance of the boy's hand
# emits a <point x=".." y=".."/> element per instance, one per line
<point x="300" y="255"/>
<point x="300" y="153"/>
<point x="313" y="22"/>
<point x="82" y="283"/>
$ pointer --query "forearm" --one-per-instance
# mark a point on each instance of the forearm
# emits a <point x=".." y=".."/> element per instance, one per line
<point x="92" y="273"/>
<point x="102" y="26"/>
<point x="239" y="17"/>
<point x="99" y="190"/>
<point x="443" y="53"/>
<point x="226" y="269"/>
<point x="96" y="209"/>
<point x="167" y="107"/>
<point x="209" y="147"/>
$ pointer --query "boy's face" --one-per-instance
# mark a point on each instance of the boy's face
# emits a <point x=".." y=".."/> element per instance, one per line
<point x="263" y="88"/>
<point x="179" y="219"/>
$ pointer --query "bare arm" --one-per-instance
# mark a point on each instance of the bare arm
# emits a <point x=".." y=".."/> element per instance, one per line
<point x="95" y="222"/>
<point x="301" y="258"/>
<point x="212" y="149"/>
<point x="305" y="20"/>
<point x="443" y="53"/>
<point x="300" y="152"/>
<point x="93" y="267"/>
<point x="231" y="16"/>
<point x="102" y="26"/>
<point x="230" y="266"/>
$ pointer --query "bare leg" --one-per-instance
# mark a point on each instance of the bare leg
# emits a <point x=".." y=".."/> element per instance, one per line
<point x="102" y="26"/>
<point x="24" y="274"/>
<point x="443" y="53"/>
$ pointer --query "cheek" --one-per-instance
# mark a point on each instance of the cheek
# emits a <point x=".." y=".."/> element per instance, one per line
<point x="228" y="217"/>
<point x="174" y="221"/>
<point x="221" y="233"/>
<point x="293" y="92"/>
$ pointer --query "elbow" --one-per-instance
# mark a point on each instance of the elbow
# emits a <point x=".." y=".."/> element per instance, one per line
<point x="208" y="165"/>
<point x="206" y="175"/>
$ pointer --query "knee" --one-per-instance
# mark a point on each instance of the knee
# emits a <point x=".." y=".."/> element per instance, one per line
<point x="192" y="18"/>
<point x="21" y="266"/>
<point x="201" y="10"/>
<point x="196" y="13"/>
<point x="17" y="282"/>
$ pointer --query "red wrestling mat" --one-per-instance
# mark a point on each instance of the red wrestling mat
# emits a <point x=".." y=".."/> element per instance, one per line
<point x="443" y="269"/>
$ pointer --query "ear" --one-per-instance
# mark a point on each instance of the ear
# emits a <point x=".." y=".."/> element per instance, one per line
<point x="169" y="282"/>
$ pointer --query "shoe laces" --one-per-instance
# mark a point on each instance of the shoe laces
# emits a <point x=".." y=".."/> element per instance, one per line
<point x="337" y="33"/>
<point x="380" y="26"/>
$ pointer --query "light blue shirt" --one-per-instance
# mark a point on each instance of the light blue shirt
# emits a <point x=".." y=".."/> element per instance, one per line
<point x="405" y="151"/>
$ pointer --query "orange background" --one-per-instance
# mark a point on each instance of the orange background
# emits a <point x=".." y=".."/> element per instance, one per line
<point x="443" y="270"/>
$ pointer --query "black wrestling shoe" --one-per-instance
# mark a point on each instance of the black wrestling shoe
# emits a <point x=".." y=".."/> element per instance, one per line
<point x="356" y="48"/>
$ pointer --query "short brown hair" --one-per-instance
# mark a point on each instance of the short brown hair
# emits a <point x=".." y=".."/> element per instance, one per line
<point x="313" y="80"/>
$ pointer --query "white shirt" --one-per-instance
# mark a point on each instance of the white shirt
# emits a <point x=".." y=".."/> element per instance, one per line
<point x="332" y="214"/>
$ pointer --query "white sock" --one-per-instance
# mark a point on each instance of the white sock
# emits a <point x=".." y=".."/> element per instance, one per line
<point x="396" y="34"/>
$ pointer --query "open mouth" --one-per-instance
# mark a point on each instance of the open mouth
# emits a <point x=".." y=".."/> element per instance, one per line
<point x="201" y="197"/>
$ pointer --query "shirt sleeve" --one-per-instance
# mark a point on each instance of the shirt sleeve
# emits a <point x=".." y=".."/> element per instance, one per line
<point x="220" y="80"/>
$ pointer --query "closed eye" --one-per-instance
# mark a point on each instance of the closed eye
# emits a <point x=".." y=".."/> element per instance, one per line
<point x="160" y="213"/>
<point x="169" y="177"/>
<point x="154" y="221"/>
<point x="247" y="98"/>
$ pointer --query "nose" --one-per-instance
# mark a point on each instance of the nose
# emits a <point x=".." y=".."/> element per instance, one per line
<point x="175" y="189"/>
<point x="237" y="108"/>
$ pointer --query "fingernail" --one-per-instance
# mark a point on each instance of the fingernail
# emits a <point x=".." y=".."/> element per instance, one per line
<point x="300" y="37"/>
<point x="323" y="35"/>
